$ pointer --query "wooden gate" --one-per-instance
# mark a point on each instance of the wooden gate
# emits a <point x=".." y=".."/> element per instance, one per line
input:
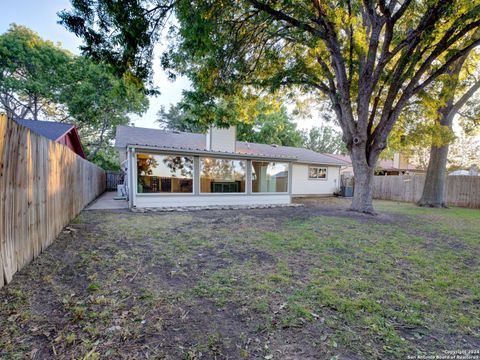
<point x="114" y="178"/>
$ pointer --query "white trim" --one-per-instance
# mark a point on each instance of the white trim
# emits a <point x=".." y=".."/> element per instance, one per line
<point x="175" y="201"/>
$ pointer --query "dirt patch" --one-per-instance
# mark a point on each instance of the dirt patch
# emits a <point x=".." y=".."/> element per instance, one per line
<point x="281" y="283"/>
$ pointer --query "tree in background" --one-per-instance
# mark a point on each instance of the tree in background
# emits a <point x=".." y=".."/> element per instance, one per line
<point x="178" y="119"/>
<point x="368" y="58"/>
<point x="452" y="98"/>
<point x="40" y="80"/>
<point x="266" y="120"/>
<point x="324" y="139"/>
<point x="32" y="75"/>
<point x="98" y="101"/>
<point x="428" y="122"/>
<point x="271" y="125"/>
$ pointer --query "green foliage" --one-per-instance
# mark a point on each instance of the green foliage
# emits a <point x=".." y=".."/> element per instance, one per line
<point x="242" y="47"/>
<point x="324" y="139"/>
<point x="98" y="101"/>
<point x="268" y="121"/>
<point x="32" y="74"/>
<point x="130" y="49"/>
<point x="38" y="79"/>
<point x="178" y="119"/>
<point x="271" y="126"/>
<point x="106" y="157"/>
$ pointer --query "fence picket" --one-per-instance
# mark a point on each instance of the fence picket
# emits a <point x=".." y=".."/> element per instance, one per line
<point x="43" y="185"/>
<point x="463" y="191"/>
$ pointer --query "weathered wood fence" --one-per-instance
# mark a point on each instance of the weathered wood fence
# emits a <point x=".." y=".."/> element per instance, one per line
<point x="43" y="185"/>
<point x="461" y="191"/>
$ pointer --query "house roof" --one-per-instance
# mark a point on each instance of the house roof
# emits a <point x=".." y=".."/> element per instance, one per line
<point x="50" y="129"/>
<point x="386" y="165"/>
<point x="183" y="141"/>
<point x="55" y="131"/>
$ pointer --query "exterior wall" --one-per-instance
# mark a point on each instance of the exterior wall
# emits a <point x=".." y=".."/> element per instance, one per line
<point x="302" y="185"/>
<point x="221" y="139"/>
<point x="153" y="200"/>
<point x="122" y="156"/>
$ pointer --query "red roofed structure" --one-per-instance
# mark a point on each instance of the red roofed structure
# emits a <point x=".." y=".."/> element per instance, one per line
<point x="62" y="133"/>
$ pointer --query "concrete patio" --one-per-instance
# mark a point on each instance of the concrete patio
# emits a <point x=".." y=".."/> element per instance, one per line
<point x="106" y="201"/>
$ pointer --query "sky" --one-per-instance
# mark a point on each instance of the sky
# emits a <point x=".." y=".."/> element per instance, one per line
<point x="41" y="17"/>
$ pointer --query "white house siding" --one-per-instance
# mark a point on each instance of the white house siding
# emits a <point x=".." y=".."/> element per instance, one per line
<point x="152" y="200"/>
<point x="302" y="185"/>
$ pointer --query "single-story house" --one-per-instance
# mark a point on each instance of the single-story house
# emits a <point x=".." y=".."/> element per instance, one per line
<point x="65" y="134"/>
<point x="399" y="165"/>
<point x="171" y="168"/>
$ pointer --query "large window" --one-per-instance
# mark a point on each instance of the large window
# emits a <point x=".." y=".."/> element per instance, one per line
<point x="164" y="174"/>
<point x="269" y="177"/>
<point x="222" y="175"/>
<point x="318" y="173"/>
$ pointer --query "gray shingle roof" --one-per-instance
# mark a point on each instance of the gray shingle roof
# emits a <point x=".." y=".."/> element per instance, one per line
<point x="50" y="129"/>
<point x="164" y="139"/>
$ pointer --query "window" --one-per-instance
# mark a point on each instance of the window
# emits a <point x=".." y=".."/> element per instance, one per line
<point x="222" y="175"/>
<point x="315" y="172"/>
<point x="269" y="177"/>
<point x="164" y="174"/>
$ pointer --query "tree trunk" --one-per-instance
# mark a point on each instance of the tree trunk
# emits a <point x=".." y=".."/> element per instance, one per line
<point x="434" y="187"/>
<point x="363" y="173"/>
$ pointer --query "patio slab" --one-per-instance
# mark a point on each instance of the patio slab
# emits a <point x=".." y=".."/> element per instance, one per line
<point x="106" y="201"/>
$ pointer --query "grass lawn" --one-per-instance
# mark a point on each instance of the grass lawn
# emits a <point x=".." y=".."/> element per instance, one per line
<point x="314" y="282"/>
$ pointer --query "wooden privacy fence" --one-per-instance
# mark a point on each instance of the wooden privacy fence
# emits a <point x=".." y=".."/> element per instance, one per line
<point x="461" y="191"/>
<point x="43" y="185"/>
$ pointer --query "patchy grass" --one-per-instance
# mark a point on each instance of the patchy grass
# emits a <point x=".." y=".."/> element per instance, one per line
<point x="312" y="282"/>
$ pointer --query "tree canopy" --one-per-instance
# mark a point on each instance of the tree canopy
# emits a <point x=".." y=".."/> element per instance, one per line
<point x="324" y="139"/>
<point x="268" y="121"/>
<point x="32" y="73"/>
<point x="40" y="80"/>
<point x="368" y="58"/>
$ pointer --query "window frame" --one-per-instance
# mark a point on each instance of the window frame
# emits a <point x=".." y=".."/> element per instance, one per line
<point x="135" y="167"/>
<point x="201" y="193"/>
<point x="317" y="167"/>
<point x="289" y="170"/>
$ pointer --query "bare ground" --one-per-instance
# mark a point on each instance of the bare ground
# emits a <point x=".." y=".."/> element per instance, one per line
<point x="314" y="282"/>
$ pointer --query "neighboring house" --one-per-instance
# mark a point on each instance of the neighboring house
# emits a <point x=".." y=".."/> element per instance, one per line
<point x="397" y="166"/>
<point x="62" y="133"/>
<point x="473" y="171"/>
<point x="171" y="168"/>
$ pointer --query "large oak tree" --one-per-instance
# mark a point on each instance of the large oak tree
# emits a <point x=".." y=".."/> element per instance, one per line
<point x="368" y="58"/>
